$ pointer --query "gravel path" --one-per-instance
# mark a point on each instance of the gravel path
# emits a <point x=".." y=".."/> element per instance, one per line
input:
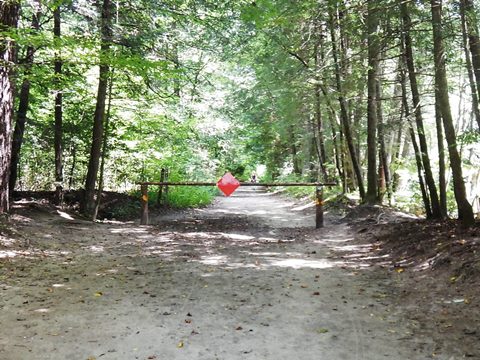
<point x="247" y="278"/>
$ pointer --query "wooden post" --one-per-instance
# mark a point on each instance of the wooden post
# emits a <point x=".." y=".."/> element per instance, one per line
<point x="144" y="201"/>
<point x="167" y="174"/>
<point x="160" y="188"/>
<point x="319" y="207"/>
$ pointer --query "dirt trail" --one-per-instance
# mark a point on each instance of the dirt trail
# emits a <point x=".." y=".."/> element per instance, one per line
<point x="247" y="278"/>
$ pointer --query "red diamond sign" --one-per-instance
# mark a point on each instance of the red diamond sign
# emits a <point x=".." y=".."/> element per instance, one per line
<point x="228" y="184"/>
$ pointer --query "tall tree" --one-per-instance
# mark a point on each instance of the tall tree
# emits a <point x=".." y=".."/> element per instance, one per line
<point x="8" y="22"/>
<point x="319" y="138"/>
<point x="343" y="104"/>
<point x="406" y="109"/>
<point x="372" y="120"/>
<point x="88" y="205"/>
<point x="473" y="39"/>
<point x="430" y="181"/>
<point x="23" y="101"/>
<point x="58" y="112"/>
<point x="465" y="212"/>
<point x="442" y="181"/>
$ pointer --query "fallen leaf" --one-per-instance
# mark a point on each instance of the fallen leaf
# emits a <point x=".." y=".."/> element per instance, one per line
<point x="238" y="328"/>
<point x="98" y="294"/>
<point x="180" y="345"/>
<point x="400" y="270"/>
<point x="322" y="330"/>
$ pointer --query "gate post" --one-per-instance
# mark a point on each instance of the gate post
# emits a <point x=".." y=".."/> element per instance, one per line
<point x="160" y="187"/>
<point x="144" y="201"/>
<point x="319" y="207"/>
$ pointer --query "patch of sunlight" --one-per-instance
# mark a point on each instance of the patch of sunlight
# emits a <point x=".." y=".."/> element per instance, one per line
<point x="256" y="212"/>
<point x="238" y="265"/>
<point x="269" y="253"/>
<point x="128" y="230"/>
<point x="265" y="254"/>
<point x="337" y="240"/>
<point x="161" y="248"/>
<point x="238" y="236"/>
<point x="268" y="239"/>
<point x="427" y="263"/>
<point x="43" y="310"/>
<point x="303" y="207"/>
<point x="55" y="253"/>
<point x="162" y="239"/>
<point x="7" y="254"/>
<point x="214" y="260"/>
<point x="21" y="218"/>
<point x="58" y="285"/>
<point x="302" y="263"/>
<point x="354" y="265"/>
<point x="353" y="248"/>
<point x="376" y="257"/>
<point x="65" y="215"/>
<point x="6" y="241"/>
<point x="97" y="248"/>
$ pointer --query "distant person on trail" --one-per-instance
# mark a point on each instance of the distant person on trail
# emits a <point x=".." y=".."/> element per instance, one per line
<point x="253" y="177"/>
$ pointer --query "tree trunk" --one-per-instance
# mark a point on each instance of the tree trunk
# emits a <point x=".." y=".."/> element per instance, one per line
<point x="399" y="135"/>
<point x="468" y="62"/>
<point x="343" y="109"/>
<point x="293" y="148"/>
<point x="72" y="169"/>
<point x="320" y="138"/>
<point x="442" y="183"/>
<point x="23" y="104"/>
<point x="430" y="182"/>
<point x="418" y="156"/>
<point x="373" y="54"/>
<point x="473" y="39"/>
<point x="320" y="142"/>
<point x="8" y="21"/>
<point x="465" y="212"/>
<point x="333" y="121"/>
<point x="383" y="156"/>
<point x="98" y="119"/>
<point x="58" y="113"/>
<point x="104" y="150"/>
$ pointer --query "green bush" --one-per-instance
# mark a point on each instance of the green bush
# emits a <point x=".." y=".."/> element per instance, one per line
<point x="190" y="196"/>
<point x="183" y="196"/>
<point x="306" y="191"/>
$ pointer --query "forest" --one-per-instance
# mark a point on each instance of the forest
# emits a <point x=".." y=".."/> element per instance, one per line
<point x="381" y="97"/>
<point x="378" y="98"/>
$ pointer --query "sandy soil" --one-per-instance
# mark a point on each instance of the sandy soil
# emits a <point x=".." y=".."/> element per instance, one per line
<point x="247" y="278"/>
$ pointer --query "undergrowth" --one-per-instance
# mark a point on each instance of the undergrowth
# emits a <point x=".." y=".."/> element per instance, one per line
<point x="189" y="196"/>
<point x="307" y="191"/>
<point x="184" y="196"/>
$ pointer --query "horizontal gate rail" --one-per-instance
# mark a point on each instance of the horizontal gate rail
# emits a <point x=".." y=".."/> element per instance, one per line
<point x="318" y="194"/>
<point x="194" y="183"/>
